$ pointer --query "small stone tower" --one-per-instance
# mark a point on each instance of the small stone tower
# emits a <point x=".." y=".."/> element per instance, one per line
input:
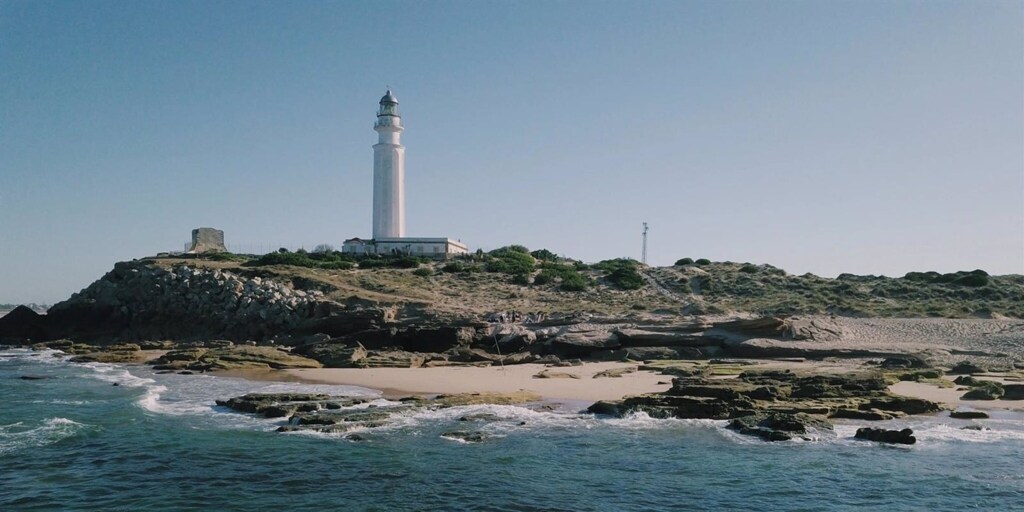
<point x="388" y="172"/>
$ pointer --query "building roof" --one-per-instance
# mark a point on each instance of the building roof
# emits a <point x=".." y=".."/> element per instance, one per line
<point x="389" y="98"/>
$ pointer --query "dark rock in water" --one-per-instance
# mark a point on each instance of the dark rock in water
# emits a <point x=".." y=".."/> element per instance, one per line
<point x="603" y="407"/>
<point x="776" y="426"/>
<point x="966" y="368"/>
<point x="355" y="437"/>
<point x="468" y="437"/>
<point x="987" y="390"/>
<point x="968" y="415"/>
<point x="116" y="384"/>
<point x="34" y="377"/>
<point x="975" y="427"/>
<point x="881" y="435"/>
<point x="1013" y="392"/>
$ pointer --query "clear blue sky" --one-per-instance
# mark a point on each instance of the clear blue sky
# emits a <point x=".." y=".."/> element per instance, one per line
<point x="826" y="136"/>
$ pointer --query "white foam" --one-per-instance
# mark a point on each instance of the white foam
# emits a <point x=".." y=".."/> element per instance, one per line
<point x="116" y="375"/>
<point x="50" y="431"/>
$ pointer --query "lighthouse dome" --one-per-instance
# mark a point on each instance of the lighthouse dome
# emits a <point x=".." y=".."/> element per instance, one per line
<point x="389" y="98"/>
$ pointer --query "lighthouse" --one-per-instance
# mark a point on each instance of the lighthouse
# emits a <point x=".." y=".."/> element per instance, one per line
<point x="389" y="197"/>
<point x="388" y="172"/>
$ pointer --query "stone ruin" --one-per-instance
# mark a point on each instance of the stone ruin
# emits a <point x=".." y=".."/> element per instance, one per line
<point x="207" y="240"/>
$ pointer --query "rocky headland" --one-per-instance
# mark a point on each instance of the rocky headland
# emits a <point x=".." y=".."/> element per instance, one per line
<point x="225" y="314"/>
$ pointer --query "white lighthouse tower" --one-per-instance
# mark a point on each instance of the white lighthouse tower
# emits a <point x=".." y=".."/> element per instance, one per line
<point x="389" y="197"/>
<point x="388" y="172"/>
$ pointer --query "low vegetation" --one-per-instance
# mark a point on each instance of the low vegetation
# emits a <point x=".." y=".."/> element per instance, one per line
<point x="764" y="289"/>
<point x="514" y="277"/>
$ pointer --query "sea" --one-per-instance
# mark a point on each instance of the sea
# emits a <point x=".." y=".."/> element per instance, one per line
<point x="121" y="437"/>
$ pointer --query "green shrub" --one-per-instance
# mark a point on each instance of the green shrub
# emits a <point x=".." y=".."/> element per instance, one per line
<point x="684" y="261"/>
<point x="498" y="266"/>
<point x="367" y="263"/>
<point x="423" y="272"/>
<point x="625" y="278"/>
<point x="223" y="256"/>
<point x="460" y="267"/>
<point x="521" y="279"/>
<point x="544" y="277"/>
<point x="404" y="262"/>
<point x="574" y="283"/>
<point x="748" y="268"/>
<point x="514" y="259"/>
<point x="703" y="261"/>
<point x="283" y="258"/>
<point x="544" y="255"/>
<point x="615" y="264"/>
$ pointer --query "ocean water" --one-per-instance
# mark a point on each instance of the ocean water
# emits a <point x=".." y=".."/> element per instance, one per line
<point x="74" y="441"/>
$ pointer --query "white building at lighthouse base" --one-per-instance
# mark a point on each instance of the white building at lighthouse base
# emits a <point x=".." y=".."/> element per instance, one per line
<point x="438" y="248"/>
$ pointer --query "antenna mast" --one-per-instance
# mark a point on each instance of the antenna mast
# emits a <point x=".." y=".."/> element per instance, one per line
<point x="643" y="254"/>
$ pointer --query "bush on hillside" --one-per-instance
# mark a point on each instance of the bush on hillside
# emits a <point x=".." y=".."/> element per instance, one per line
<point x="513" y="259"/>
<point x="544" y="277"/>
<point x="367" y="263"/>
<point x="423" y="272"/>
<point x="702" y="261"/>
<point x="615" y="264"/>
<point x="544" y="255"/>
<point x="453" y="267"/>
<point x="625" y="278"/>
<point x="574" y="283"/>
<point x="330" y="261"/>
<point x="684" y="261"/>
<point x="404" y="262"/>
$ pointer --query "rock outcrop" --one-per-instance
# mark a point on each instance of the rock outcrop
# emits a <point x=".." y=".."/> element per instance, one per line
<point x="330" y="414"/>
<point x="772" y="402"/>
<point x="905" y="436"/>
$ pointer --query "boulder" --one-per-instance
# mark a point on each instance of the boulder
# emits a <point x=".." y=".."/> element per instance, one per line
<point x="549" y="374"/>
<point x="615" y="372"/>
<point x="775" y="426"/>
<point x="607" y="407"/>
<point x="641" y="338"/>
<point x="968" y="415"/>
<point x="577" y="344"/>
<point x="465" y="436"/>
<point x="988" y="390"/>
<point x="334" y="355"/>
<point x="966" y="368"/>
<point x="905" y="436"/>
<point x="1013" y="392"/>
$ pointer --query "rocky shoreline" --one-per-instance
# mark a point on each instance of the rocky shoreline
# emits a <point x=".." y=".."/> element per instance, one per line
<point x="187" y="319"/>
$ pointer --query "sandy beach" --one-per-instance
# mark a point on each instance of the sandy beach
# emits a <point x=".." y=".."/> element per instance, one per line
<point x="397" y="382"/>
<point x="400" y="382"/>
